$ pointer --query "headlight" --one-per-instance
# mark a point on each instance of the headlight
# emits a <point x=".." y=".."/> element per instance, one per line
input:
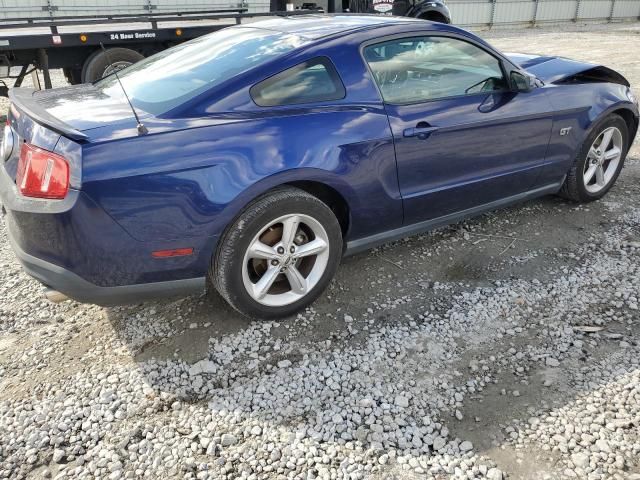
<point x="7" y="143"/>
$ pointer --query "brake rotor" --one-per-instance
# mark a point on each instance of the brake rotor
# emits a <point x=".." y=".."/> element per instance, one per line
<point x="271" y="236"/>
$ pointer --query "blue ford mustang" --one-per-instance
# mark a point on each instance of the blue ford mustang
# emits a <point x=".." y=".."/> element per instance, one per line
<point x="264" y="152"/>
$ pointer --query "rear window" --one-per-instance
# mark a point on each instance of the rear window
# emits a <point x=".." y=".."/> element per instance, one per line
<point x="165" y="80"/>
<point x="311" y="81"/>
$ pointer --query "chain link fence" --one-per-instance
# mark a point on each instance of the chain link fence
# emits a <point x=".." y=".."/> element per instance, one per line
<point x="468" y="13"/>
<point x="477" y="13"/>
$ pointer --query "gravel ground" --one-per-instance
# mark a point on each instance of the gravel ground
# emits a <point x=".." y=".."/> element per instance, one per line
<point x="502" y="347"/>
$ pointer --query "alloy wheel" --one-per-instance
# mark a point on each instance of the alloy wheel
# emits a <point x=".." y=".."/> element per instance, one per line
<point x="285" y="260"/>
<point x="602" y="160"/>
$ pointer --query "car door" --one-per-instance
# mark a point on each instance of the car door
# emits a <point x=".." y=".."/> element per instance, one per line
<point x="463" y="138"/>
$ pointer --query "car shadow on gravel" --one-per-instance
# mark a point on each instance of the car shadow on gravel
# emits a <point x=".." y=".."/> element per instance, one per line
<point x="180" y="327"/>
<point x="388" y="283"/>
<point x="393" y="280"/>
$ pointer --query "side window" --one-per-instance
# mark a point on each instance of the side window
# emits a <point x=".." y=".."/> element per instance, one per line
<point x="411" y="70"/>
<point x="311" y="81"/>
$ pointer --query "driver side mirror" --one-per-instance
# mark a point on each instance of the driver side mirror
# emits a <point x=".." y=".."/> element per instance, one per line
<point x="523" y="81"/>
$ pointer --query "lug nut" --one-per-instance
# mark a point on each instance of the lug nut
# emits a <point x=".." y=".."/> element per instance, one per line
<point x="292" y="249"/>
<point x="274" y="262"/>
<point x="280" y="250"/>
<point x="282" y="269"/>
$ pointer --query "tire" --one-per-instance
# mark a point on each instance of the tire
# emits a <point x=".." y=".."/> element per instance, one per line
<point x="99" y="62"/>
<point x="575" y="187"/>
<point x="234" y="273"/>
<point x="433" y="17"/>
<point x="73" y="75"/>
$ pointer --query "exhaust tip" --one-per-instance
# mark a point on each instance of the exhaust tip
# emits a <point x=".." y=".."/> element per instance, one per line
<point x="54" y="295"/>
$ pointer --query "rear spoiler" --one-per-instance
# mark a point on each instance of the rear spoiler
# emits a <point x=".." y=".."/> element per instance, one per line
<point x="23" y="99"/>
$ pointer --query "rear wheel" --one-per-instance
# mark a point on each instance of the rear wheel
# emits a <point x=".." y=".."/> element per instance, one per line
<point x="599" y="161"/>
<point x="279" y="255"/>
<point x="101" y="63"/>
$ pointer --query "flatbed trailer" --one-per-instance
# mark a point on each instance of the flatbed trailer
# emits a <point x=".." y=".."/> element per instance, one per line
<point x="73" y="43"/>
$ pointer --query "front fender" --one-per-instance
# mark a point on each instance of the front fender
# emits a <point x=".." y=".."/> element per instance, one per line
<point x="578" y="110"/>
<point x="617" y="108"/>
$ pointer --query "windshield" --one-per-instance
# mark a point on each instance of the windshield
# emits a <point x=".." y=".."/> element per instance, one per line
<point x="169" y="78"/>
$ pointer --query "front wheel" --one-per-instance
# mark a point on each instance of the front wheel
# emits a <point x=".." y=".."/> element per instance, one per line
<point x="279" y="255"/>
<point x="598" y="162"/>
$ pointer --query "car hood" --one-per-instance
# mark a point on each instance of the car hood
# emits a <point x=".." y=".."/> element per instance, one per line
<point x="558" y="69"/>
<point x="85" y="107"/>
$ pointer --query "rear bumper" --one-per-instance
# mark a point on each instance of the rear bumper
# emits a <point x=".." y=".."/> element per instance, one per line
<point x="81" y="290"/>
<point x="73" y="247"/>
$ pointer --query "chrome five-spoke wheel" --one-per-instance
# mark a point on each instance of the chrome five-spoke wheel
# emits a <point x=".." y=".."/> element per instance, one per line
<point x="598" y="161"/>
<point x="603" y="160"/>
<point x="279" y="254"/>
<point x="285" y="260"/>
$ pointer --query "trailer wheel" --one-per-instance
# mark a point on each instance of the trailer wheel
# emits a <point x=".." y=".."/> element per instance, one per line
<point x="434" y="17"/>
<point x="99" y="64"/>
<point x="73" y="75"/>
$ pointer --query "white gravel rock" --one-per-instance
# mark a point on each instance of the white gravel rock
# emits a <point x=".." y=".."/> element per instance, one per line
<point x="494" y="474"/>
<point x="228" y="440"/>
<point x="58" y="455"/>
<point x="401" y="401"/>
<point x="580" y="460"/>
<point x="466" y="446"/>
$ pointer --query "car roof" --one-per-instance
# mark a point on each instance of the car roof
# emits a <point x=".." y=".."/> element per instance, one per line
<point x="316" y="26"/>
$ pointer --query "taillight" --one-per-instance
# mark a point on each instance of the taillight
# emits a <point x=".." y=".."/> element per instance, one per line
<point x="42" y="174"/>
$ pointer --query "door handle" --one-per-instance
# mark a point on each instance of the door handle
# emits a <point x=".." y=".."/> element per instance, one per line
<point x="422" y="130"/>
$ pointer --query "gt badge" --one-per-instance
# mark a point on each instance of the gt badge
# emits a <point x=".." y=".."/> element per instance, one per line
<point x="565" y="131"/>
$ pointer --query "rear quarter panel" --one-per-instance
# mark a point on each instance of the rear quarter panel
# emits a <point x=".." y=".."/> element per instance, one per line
<point x="191" y="176"/>
<point x="191" y="183"/>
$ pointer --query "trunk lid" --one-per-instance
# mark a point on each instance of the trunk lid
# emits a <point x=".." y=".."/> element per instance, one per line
<point x="73" y="111"/>
<point x="34" y="121"/>
<point x="27" y="113"/>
